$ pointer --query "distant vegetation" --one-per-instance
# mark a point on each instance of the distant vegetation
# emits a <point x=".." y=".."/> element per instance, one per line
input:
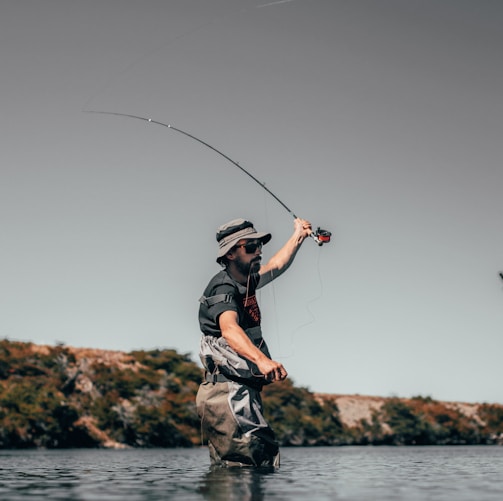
<point x="60" y="396"/>
<point x="423" y="421"/>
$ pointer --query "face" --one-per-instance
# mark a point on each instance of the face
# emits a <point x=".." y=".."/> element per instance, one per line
<point x="247" y="256"/>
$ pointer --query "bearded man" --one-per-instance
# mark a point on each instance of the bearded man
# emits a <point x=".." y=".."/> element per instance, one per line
<point x="233" y="352"/>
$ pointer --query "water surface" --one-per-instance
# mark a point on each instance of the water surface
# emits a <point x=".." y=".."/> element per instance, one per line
<point x="319" y="473"/>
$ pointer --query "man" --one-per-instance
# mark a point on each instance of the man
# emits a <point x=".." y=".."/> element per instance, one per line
<point x="235" y="356"/>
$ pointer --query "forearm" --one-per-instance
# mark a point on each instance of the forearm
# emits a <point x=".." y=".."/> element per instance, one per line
<point x="282" y="260"/>
<point x="242" y="345"/>
<point x="238" y="340"/>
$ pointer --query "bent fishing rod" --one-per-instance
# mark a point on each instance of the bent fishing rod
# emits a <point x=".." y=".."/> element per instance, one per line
<point x="320" y="236"/>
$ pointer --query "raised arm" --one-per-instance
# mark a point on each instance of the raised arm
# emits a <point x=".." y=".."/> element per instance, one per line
<point x="282" y="260"/>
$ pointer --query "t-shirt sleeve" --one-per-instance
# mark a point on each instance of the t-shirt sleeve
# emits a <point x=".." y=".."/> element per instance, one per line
<point x="209" y="314"/>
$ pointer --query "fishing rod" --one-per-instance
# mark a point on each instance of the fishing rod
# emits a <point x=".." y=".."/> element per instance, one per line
<point x="320" y="236"/>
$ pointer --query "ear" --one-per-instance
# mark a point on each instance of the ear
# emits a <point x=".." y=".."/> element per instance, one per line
<point x="231" y="255"/>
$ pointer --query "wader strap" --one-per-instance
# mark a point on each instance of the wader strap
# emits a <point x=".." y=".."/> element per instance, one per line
<point x="219" y="298"/>
<point x="254" y="333"/>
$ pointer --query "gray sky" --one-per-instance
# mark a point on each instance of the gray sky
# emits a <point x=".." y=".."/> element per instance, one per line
<point x="380" y="120"/>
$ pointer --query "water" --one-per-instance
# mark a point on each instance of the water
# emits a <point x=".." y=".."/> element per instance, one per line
<point x="324" y="473"/>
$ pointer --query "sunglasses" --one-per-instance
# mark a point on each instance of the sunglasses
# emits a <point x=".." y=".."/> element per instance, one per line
<point x="251" y="247"/>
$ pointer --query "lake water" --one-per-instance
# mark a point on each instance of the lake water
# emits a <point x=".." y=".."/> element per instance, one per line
<point x="320" y="473"/>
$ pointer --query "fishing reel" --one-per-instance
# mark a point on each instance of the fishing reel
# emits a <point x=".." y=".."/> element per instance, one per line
<point x="321" y="236"/>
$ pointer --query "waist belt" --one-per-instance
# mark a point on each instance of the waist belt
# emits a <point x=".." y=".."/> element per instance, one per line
<point x="215" y="378"/>
<point x="220" y="378"/>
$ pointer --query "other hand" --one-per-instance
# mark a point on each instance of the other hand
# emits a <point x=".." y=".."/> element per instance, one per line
<point x="272" y="370"/>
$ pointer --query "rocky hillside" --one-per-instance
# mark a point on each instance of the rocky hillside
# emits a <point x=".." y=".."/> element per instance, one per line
<point x="418" y="420"/>
<point x="59" y="396"/>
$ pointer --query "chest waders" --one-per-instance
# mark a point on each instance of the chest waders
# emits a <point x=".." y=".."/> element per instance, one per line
<point x="229" y="402"/>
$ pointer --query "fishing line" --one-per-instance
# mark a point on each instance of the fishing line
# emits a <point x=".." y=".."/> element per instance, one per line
<point x="276" y="333"/>
<point x="319" y="235"/>
<point x="312" y="318"/>
<point x="274" y="3"/>
<point x="148" y="54"/>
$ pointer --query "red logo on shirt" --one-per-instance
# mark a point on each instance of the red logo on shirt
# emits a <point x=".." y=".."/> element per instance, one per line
<point x="251" y="307"/>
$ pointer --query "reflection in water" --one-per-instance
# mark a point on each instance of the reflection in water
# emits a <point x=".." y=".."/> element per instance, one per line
<point x="243" y="484"/>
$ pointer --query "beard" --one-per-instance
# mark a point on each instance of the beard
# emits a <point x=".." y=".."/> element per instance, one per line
<point x="247" y="268"/>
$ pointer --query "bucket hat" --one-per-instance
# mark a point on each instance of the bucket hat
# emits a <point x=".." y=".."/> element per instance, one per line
<point x="229" y="234"/>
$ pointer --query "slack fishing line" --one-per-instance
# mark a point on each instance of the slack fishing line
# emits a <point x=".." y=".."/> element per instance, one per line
<point x="320" y="236"/>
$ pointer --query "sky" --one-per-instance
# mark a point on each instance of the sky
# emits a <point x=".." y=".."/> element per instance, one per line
<point x="378" y="120"/>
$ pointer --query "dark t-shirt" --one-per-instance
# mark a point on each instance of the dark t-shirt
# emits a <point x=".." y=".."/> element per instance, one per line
<point x="239" y="300"/>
